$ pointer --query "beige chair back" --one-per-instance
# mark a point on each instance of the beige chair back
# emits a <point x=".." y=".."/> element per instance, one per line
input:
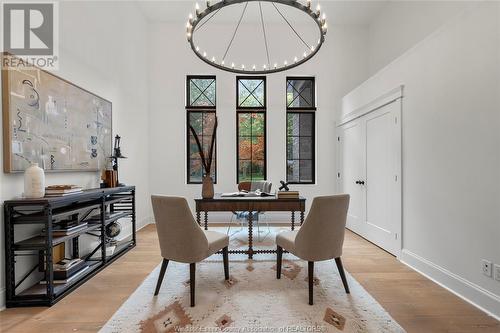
<point x="181" y="239"/>
<point x="322" y="235"/>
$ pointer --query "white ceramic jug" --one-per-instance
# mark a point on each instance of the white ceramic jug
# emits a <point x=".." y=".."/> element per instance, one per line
<point x="34" y="182"/>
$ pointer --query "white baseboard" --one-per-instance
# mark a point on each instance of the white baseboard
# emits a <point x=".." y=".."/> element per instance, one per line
<point x="2" y="299"/>
<point x="144" y="222"/>
<point x="470" y="292"/>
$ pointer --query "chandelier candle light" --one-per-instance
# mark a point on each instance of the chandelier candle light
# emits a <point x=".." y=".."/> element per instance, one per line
<point x="203" y="16"/>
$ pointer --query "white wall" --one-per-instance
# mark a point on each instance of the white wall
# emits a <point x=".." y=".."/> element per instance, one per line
<point x="338" y="68"/>
<point x="107" y="58"/>
<point x="401" y="24"/>
<point x="451" y="157"/>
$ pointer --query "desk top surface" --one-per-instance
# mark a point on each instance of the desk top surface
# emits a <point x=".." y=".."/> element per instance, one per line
<point x="218" y="197"/>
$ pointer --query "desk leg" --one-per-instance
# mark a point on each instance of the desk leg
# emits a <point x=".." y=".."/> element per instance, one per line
<point x="206" y="220"/>
<point x="293" y="221"/>
<point x="250" y="236"/>
<point x="198" y="218"/>
<point x="301" y="217"/>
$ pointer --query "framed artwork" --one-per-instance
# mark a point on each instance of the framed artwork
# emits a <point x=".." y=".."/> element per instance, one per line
<point x="52" y="122"/>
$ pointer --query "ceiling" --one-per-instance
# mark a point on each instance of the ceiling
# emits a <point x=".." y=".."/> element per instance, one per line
<point x="338" y="12"/>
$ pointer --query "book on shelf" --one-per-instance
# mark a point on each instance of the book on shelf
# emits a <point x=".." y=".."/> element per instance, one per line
<point x="74" y="277"/>
<point x="66" y="230"/>
<point x="288" y="194"/>
<point x="66" y="268"/>
<point x="96" y="219"/>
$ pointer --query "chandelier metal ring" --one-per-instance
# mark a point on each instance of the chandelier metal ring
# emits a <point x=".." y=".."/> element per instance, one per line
<point x="202" y="17"/>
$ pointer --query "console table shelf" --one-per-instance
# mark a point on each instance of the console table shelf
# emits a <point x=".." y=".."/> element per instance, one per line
<point x="97" y="207"/>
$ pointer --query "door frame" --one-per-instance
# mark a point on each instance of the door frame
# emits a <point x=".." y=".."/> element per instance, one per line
<point x="393" y="96"/>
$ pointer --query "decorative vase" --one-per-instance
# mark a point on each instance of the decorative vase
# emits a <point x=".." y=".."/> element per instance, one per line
<point x="34" y="182"/>
<point x="207" y="188"/>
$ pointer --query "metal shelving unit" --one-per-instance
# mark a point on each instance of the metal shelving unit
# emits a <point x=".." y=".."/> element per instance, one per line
<point x="96" y="207"/>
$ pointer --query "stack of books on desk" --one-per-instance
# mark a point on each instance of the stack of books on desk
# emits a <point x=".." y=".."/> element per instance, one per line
<point x="288" y="194"/>
<point x="61" y="190"/>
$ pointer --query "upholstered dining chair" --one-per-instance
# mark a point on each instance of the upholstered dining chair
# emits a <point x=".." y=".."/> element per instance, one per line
<point x="182" y="240"/>
<point x="321" y="237"/>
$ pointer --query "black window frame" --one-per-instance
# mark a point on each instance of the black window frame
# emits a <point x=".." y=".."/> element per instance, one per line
<point x="188" y="91"/>
<point x="250" y="110"/>
<point x="203" y="110"/>
<point x="302" y="110"/>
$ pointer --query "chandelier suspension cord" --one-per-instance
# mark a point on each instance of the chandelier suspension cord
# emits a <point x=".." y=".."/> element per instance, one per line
<point x="235" y="31"/>
<point x="284" y="18"/>
<point x="265" y="36"/>
<point x="208" y="19"/>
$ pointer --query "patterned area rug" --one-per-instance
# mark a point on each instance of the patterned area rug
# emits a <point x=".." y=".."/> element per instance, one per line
<point x="253" y="300"/>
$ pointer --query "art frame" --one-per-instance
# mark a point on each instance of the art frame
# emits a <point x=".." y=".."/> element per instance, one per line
<point x="99" y="144"/>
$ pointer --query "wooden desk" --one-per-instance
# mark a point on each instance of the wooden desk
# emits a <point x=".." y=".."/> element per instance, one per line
<point x="250" y="204"/>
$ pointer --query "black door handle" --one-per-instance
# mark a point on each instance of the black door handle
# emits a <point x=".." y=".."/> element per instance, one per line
<point x="360" y="182"/>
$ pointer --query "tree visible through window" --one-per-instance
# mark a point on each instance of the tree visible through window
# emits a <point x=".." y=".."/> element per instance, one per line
<point x="201" y="113"/>
<point x="251" y="128"/>
<point x="300" y="131"/>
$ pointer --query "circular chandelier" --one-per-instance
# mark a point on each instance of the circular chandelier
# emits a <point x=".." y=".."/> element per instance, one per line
<point x="202" y="17"/>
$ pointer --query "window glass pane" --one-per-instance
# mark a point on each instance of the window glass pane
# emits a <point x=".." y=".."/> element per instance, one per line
<point x="193" y="148"/>
<point x="207" y="141"/>
<point x="258" y="170"/>
<point x="300" y="147"/>
<point x="305" y="148"/>
<point x="293" y="171"/>
<point x="305" y="170"/>
<point x="293" y="148"/>
<point x="300" y="93"/>
<point x="245" y="124"/>
<point x="293" y="122"/>
<point x="258" y="148"/>
<point x="196" y="121"/>
<point x="203" y="122"/>
<point x="258" y="124"/>
<point x="245" y="171"/>
<point x="195" y="170"/>
<point x="201" y="92"/>
<point x="251" y="93"/>
<point x="245" y="148"/>
<point x="306" y="124"/>
<point x="251" y="146"/>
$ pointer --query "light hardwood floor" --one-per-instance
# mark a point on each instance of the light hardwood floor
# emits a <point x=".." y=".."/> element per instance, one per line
<point x="418" y="304"/>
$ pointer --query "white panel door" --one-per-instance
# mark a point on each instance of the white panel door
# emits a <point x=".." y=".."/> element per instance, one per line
<point x="351" y="166"/>
<point x="381" y="225"/>
<point x="370" y="171"/>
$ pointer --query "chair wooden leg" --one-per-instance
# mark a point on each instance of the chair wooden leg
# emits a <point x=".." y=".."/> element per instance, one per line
<point x="340" y="267"/>
<point x="279" y="260"/>
<point x="310" y="267"/>
<point x="164" y="265"/>
<point x="192" y="282"/>
<point x="226" y="262"/>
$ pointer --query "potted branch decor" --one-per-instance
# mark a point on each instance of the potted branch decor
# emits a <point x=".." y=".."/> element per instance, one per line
<point x="207" y="189"/>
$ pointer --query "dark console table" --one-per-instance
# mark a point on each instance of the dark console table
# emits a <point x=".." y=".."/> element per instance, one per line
<point x="250" y="204"/>
<point x="97" y="207"/>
